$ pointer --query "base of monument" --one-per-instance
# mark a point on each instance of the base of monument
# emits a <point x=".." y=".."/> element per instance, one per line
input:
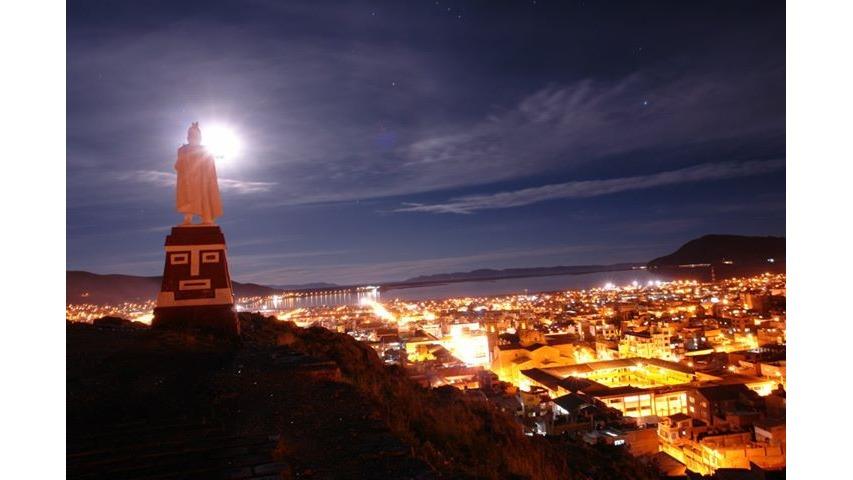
<point x="217" y="319"/>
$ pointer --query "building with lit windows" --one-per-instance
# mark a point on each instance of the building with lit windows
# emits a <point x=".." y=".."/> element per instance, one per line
<point x="724" y="405"/>
<point x="654" y="343"/>
<point x="705" y="449"/>
<point x="533" y="350"/>
<point x="636" y="387"/>
<point x="511" y="360"/>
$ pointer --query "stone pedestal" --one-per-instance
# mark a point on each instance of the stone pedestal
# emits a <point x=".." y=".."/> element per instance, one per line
<point x="196" y="291"/>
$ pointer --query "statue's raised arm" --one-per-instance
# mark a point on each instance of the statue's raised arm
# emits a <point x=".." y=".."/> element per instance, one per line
<point x="198" y="189"/>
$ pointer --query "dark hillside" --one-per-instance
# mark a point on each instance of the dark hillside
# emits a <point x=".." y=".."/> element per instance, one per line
<point x="716" y="257"/>
<point x="306" y="402"/>
<point x="716" y="249"/>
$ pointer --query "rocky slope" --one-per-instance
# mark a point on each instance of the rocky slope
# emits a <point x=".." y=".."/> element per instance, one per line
<point x="291" y="403"/>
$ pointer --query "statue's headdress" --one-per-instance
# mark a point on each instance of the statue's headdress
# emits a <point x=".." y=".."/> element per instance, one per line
<point x="194" y="134"/>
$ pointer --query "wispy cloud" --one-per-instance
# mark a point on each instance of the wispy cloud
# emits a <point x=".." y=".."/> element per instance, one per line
<point x="593" y="188"/>
<point x="347" y="134"/>
<point x="264" y="259"/>
<point x="561" y="127"/>
<point x="555" y="128"/>
<point x="167" y="179"/>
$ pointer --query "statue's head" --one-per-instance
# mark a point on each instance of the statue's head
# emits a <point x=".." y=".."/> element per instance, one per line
<point x="194" y="134"/>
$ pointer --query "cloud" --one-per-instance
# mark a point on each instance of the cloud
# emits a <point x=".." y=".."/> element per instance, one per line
<point x="168" y="179"/>
<point x="593" y="188"/>
<point x="264" y="259"/>
<point x="317" y="116"/>
<point x="558" y="128"/>
<point x="561" y="127"/>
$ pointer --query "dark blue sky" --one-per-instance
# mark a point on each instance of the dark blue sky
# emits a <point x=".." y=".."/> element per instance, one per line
<point x="384" y="140"/>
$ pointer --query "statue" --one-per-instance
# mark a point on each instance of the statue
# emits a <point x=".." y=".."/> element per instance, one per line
<point x="198" y="190"/>
<point x="196" y="292"/>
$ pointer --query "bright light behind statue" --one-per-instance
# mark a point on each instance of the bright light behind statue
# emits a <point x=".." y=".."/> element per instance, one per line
<point x="222" y="142"/>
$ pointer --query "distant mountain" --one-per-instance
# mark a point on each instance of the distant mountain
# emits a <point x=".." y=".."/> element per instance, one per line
<point x="726" y="251"/>
<point x="491" y="274"/>
<point x="305" y="286"/>
<point x="729" y="254"/>
<point x="86" y="287"/>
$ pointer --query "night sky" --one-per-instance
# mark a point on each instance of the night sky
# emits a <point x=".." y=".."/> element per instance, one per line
<point x="384" y="140"/>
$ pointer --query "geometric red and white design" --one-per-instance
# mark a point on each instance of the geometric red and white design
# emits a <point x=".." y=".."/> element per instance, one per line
<point x="196" y="291"/>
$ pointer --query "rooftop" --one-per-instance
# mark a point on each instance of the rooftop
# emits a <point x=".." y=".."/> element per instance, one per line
<point x="542" y="377"/>
<point x="719" y="393"/>
<point x="572" y="401"/>
<point x="678" y="417"/>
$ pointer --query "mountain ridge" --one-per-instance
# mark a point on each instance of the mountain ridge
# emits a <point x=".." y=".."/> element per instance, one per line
<point x="730" y="255"/>
<point x="722" y="249"/>
<point x="95" y="288"/>
<point x="493" y="274"/>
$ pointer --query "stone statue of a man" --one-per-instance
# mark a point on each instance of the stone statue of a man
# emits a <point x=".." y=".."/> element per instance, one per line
<point x="198" y="190"/>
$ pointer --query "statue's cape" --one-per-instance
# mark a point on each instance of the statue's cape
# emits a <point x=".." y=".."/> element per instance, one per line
<point x="198" y="190"/>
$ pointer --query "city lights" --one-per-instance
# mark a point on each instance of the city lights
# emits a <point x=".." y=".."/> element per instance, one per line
<point x="379" y="310"/>
<point x="640" y="351"/>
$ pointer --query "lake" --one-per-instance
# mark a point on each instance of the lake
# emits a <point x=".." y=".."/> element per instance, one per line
<point x="481" y="288"/>
<point x="511" y="286"/>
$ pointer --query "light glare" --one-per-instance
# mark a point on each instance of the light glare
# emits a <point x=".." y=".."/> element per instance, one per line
<point x="222" y="141"/>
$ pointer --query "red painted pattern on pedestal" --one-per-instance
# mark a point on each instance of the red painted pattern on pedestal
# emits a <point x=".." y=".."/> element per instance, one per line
<point x="196" y="289"/>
